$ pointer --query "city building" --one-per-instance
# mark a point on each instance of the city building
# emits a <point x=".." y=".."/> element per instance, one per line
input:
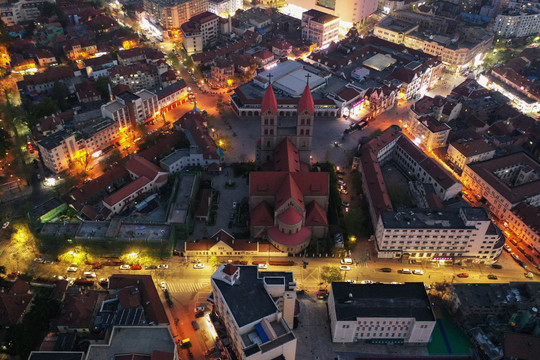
<point x="288" y="204"/>
<point x="464" y="152"/>
<point x="77" y="49"/>
<point x="319" y="28"/>
<point x="200" y="32"/>
<point x="224" y="7"/>
<point x="514" y="22"/>
<point x="57" y="355"/>
<point x="14" y="12"/>
<point x="350" y="12"/>
<point x="78" y="311"/>
<point x="45" y="57"/>
<point x="99" y="66"/>
<point x="428" y="132"/>
<point x="261" y="327"/>
<point x="281" y="48"/>
<point x="130" y="109"/>
<point x="222" y="72"/>
<point x="137" y="76"/>
<point x="43" y="82"/>
<point x="138" y="54"/>
<point x="466" y="49"/>
<point x="171" y="14"/>
<point x="13" y="303"/>
<point x="380" y="313"/>
<point x="466" y="234"/>
<point x="504" y="183"/>
<point x="136" y="342"/>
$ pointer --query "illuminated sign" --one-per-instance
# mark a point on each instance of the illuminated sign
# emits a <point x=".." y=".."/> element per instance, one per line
<point x="359" y="102"/>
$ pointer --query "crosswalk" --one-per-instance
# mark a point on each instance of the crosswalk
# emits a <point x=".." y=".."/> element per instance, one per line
<point x="179" y="286"/>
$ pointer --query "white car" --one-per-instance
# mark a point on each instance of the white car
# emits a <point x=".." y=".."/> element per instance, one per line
<point x="345" y="203"/>
<point x="346" y="261"/>
<point x="89" y="274"/>
<point x="39" y="260"/>
<point x="366" y="282"/>
<point x="125" y="267"/>
<point x="163" y="266"/>
<point x="103" y="280"/>
<point x="198" y="266"/>
<point x="263" y="266"/>
<point x="507" y="248"/>
<point x="163" y="285"/>
<point x="341" y="182"/>
<point x="5" y="225"/>
<point x="234" y="205"/>
<point x="72" y="269"/>
<point x="396" y="283"/>
<point x="418" y="272"/>
<point x="199" y="308"/>
<point x="351" y="281"/>
<point x="344" y="268"/>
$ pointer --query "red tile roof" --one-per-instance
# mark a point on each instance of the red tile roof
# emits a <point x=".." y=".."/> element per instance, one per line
<point x="128" y="299"/>
<point x="193" y="122"/>
<point x="289" y="239"/>
<point x="142" y="167"/>
<point x="315" y="215"/>
<point x="269" y="182"/>
<point x="14" y="303"/>
<point x="269" y="101"/>
<point x="262" y="215"/>
<point x="78" y="310"/>
<point x="286" y="157"/>
<point x="126" y="191"/>
<point x="153" y="308"/>
<point x="289" y="190"/>
<point x="162" y="355"/>
<point x="348" y="94"/>
<point x="290" y="216"/>
<point x="306" y="101"/>
<point x="230" y="269"/>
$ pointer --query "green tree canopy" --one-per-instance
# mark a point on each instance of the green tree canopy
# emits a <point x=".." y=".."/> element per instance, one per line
<point x="113" y="157"/>
<point x="173" y="61"/>
<point x="5" y="143"/>
<point x="102" y="85"/>
<point x="330" y="274"/>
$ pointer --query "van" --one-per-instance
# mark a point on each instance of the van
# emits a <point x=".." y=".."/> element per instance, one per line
<point x="346" y="261"/>
<point x="406" y="271"/>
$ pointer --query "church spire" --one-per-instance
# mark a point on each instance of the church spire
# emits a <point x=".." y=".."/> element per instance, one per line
<point x="269" y="101"/>
<point x="306" y="101"/>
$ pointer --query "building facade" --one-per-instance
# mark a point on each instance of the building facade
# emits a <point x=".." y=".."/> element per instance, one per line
<point x="380" y="313"/>
<point x="171" y="14"/>
<point x="200" y="32"/>
<point x="18" y="11"/>
<point x="461" y="153"/>
<point x="319" y="28"/>
<point x="513" y="22"/>
<point x="348" y="11"/>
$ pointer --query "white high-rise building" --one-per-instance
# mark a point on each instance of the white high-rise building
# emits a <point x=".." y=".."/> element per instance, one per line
<point x="351" y="11"/>
<point x="518" y="23"/>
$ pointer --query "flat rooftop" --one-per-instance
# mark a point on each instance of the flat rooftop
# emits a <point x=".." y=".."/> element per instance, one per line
<point x="407" y="300"/>
<point x="431" y="218"/>
<point x="247" y="299"/>
<point x="148" y="232"/>
<point x="180" y="208"/>
<point x="93" y="229"/>
<point x="56" y="355"/>
<point x="133" y="340"/>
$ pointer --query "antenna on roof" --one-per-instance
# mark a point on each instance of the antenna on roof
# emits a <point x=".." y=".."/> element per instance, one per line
<point x="307" y="78"/>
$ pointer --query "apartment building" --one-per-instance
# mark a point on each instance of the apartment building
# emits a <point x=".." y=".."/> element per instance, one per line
<point x="464" y="152"/>
<point x="77" y="49"/>
<point x="348" y="11"/>
<point x="171" y="14"/>
<point x="222" y="71"/>
<point x="319" y="27"/>
<point x="505" y="183"/>
<point x="60" y="149"/>
<point x="515" y="22"/>
<point x="137" y="76"/>
<point x="433" y="234"/>
<point x="261" y="327"/>
<point x="43" y="82"/>
<point x="130" y="109"/>
<point x="200" y="32"/>
<point x="15" y="12"/>
<point x="428" y="132"/>
<point x="394" y="30"/>
<point x="380" y="313"/>
<point x="224" y="6"/>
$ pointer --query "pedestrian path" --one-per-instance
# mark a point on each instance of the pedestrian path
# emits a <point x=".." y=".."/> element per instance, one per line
<point x="186" y="286"/>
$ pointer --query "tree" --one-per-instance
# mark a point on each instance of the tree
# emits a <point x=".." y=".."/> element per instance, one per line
<point x="102" y="85"/>
<point x="214" y="261"/>
<point x="2" y="269"/>
<point x="60" y="95"/>
<point x="330" y="274"/>
<point x="5" y="143"/>
<point x="114" y="157"/>
<point x="375" y="133"/>
<point x="354" y="221"/>
<point x="173" y="61"/>
<point x="46" y="107"/>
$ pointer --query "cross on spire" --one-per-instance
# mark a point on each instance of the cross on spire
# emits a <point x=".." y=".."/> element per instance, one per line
<point x="307" y="78"/>
<point x="270" y="78"/>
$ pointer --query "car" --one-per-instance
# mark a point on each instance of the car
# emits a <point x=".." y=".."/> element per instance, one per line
<point x="507" y="248"/>
<point x="341" y="182"/>
<point x="72" y="269"/>
<point x="514" y="256"/>
<point x="418" y="272"/>
<point x="346" y="261"/>
<point x="344" y="268"/>
<point x="262" y="266"/>
<point x="366" y="282"/>
<point x="405" y="271"/>
<point x="351" y="281"/>
<point x="386" y="270"/>
<point x="199" y="308"/>
<point x="529" y="275"/>
<point x="96" y="266"/>
<point x="5" y="225"/>
<point x="522" y="264"/>
<point x="396" y="283"/>
<point x="195" y="325"/>
<point x="521" y="250"/>
<point x="463" y="275"/>
<point x="136" y="267"/>
<point x="103" y="280"/>
<point x="198" y="266"/>
<point x="125" y="267"/>
<point x="343" y="191"/>
<point x="39" y="260"/>
<point x="322" y="294"/>
<point x="90" y="274"/>
<point x="163" y="285"/>
<point x="150" y="267"/>
<point x="345" y="203"/>
<point x="492" y="277"/>
<point x="199" y="314"/>
<point x="234" y="205"/>
<point x="186" y="343"/>
<point x="496" y="266"/>
<point x="163" y="266"/>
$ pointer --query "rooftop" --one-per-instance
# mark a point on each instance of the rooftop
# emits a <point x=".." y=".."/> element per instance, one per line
<point x="134" y="340"/>
<point x="319" y="16"/>
<point x="448" y="218"/>
<point x="472" y="148"/>
<point x="407" y="300"/>
<point x="247" y="299"/>
<point x="56" y="355"/>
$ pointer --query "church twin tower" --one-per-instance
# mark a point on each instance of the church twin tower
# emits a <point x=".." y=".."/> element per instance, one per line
<point x="275" y="129"/>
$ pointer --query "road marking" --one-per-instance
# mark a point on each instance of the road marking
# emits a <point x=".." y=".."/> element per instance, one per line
<point x="186" y="287"/>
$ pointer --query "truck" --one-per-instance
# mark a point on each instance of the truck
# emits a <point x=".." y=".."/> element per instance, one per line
<point x="281" y="263"/>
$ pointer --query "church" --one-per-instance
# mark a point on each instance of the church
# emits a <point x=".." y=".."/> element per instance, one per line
<point x="288" y="203"/>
